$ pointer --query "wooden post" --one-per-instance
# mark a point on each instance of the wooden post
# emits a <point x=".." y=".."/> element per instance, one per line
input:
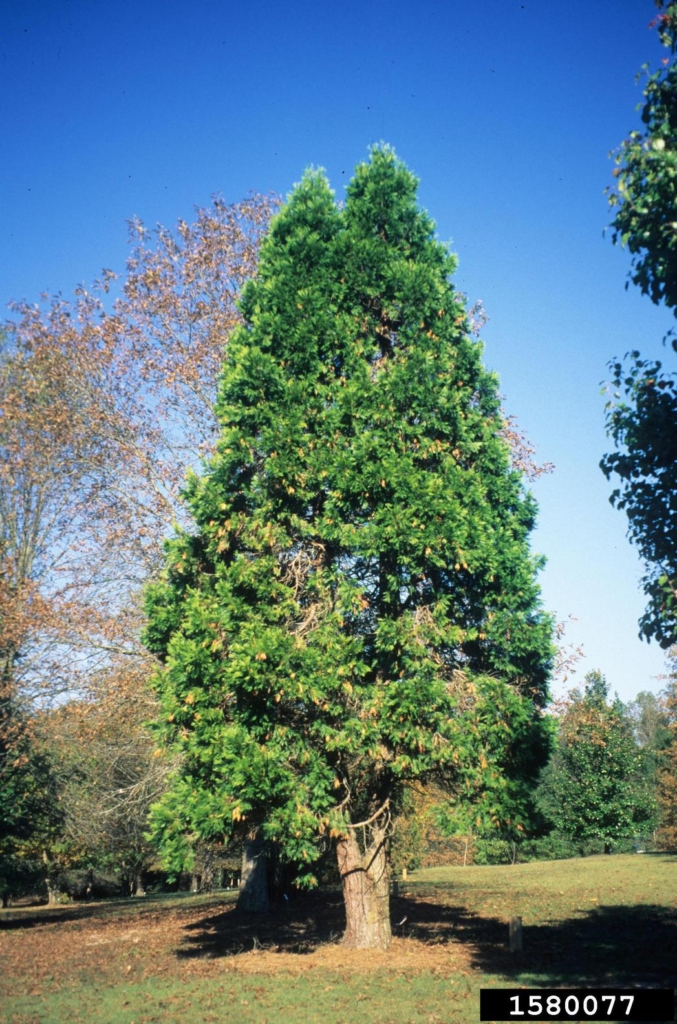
<point x="515" y="934"/>
<point x="404" y="874"/>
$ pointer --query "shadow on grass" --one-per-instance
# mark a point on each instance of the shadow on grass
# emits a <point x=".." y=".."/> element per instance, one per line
<point x="612" y="946"/>
<point x="309" y="920"/>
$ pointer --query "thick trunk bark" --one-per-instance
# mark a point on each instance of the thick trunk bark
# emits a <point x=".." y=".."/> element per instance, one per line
<point x="366" y="891"/>
<point x="253" y="896"/>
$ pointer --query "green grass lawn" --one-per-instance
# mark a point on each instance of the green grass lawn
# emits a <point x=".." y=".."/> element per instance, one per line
<point x="597" y="921"/>
<point x="301" y="999"/>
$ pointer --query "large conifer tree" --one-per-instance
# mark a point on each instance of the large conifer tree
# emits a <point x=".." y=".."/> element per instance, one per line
<point x="357" y="607"/>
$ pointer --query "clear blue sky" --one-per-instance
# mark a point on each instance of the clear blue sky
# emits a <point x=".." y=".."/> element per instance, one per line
<point x="506" y="110"/>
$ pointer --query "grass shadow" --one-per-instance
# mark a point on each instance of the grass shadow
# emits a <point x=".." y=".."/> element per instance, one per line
<point x="615" y="946"/>
<point x="298" y="926"/>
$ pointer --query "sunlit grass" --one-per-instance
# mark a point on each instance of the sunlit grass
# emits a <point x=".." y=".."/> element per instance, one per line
<point x="383" y="998"/>
<point x="544" y="891"/>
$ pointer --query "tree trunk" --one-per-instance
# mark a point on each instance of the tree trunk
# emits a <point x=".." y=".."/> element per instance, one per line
<point x="205" y="867"/>
<point x="51" y="880"/>
<point x="366" y="891"/>
<point x="253" y="895"/>
<point x="53" y="892"/>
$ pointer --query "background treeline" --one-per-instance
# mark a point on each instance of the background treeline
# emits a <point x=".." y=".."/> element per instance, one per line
<point x="104" y="402"/>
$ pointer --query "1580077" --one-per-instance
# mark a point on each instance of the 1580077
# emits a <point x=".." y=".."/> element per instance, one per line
<point x="522" y="1004"/>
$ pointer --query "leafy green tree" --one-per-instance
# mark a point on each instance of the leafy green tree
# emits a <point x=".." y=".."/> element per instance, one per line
<point x="645" y="195"/>
<point x="594" y="787"/>
<point x="357" y="607"/>
<point x="642" y="416"/>
<point x="31" y="818"/>
<point x="18" y="791"/>
<point x="644" y="426"/>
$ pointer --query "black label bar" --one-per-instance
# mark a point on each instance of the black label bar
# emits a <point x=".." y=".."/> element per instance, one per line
<point x="542" y="1004"/>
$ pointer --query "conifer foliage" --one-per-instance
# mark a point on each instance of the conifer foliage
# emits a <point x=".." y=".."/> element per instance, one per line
<point x="357" y="606"/>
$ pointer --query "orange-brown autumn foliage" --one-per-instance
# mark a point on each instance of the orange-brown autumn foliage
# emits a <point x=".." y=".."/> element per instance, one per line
<point x="104" y="402"/>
